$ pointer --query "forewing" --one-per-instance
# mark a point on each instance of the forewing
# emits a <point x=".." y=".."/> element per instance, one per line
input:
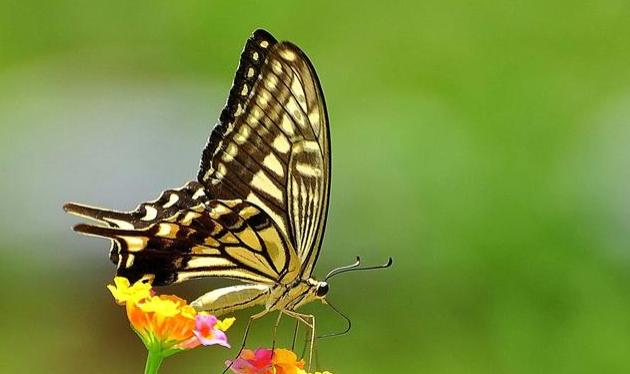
<point x="271" y="145"/>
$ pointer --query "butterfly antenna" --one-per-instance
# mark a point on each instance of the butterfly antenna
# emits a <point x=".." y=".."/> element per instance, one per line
<point x="343" y="268"/>
<point x="355" y="267"/>
<point x="345" y="317"/>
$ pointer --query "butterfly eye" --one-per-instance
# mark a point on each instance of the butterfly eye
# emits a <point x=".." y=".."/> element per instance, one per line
<point x="322" y="289"/>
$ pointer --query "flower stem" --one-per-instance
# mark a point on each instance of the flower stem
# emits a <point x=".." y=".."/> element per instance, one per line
<point x="154" y="360"/>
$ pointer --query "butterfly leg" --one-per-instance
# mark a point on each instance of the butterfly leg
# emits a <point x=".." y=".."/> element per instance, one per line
<point x="310" y="355"/>
<point x="309" y="321"/>
<point x="295" y="333"/>
<point x="249" y="323"/>
<point x="275" y="330"/>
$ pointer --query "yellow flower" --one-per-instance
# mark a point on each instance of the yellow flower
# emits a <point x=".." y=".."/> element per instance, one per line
<point x="188" y="311"/>
<point x="161" y="306"/>
<point x="124" y="292"/>
<point x="160" y="324"/>
<point x="225" y="324"/>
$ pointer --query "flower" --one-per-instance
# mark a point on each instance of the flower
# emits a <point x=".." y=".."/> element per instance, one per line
<point x="166" y="323"/>
<point x="286" y="362"/>
<point x="161" y="325"/>
<point x="225" y="324"/>
<point x="252" y="362"/>
<point x="264" y="361"/>
<point x="123" y="292"/>
<point x="207" y="332"/>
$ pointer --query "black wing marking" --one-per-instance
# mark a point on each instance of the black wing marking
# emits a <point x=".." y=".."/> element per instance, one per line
<point x="168" y="204"/>
<point x="247" y="73"/>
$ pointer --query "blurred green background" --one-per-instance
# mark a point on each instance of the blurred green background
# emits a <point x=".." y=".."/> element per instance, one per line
<point x="485" y="145"/>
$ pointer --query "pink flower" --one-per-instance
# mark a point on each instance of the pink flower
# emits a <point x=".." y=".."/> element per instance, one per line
<point x="252" y="362"/>
<point x="262" y="361"/>
<point x="208" y="330"/>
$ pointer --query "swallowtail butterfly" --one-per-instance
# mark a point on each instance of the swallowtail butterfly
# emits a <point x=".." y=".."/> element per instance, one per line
<point x="257" y="211"/>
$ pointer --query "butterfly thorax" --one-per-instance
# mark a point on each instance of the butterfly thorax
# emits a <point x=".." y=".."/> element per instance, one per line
<point x="293" y="295"/>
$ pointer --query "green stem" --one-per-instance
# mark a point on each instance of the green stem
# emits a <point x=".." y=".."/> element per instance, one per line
<point x="154" y="360"/>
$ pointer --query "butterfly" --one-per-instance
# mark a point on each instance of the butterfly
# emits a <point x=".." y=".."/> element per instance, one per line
<point x="257" y="211"/>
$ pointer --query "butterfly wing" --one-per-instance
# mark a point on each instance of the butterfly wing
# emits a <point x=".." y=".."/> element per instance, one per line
<point x="167" y="205"/>
<point x="271" y="146"/>
<point x="220" y="238"/>
<point x="259" y="209"/>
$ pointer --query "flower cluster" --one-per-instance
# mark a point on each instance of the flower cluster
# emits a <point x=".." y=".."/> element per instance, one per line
<point x="166" y="323"/>
<point x="266" y="361"/>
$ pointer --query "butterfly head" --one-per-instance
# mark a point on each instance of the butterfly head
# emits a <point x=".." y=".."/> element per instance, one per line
<point x="321" y="290"/>
<point x="317" y="290"/>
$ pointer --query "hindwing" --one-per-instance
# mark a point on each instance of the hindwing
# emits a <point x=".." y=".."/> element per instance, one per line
<point x="223" y="238"/>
